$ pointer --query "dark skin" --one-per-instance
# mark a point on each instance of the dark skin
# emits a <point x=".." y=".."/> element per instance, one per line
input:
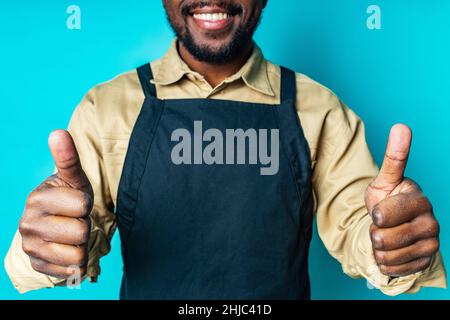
<point x="404" y="233"/>
<point x="55" y="224"/>
<point x="214" y="74"/>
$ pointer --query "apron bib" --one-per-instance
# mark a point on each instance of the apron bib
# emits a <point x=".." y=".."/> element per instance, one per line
<point x="207" y="228"/>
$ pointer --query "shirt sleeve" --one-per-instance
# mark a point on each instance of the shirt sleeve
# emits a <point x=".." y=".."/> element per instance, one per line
<point x="84" y="131"/>
<point x="343" y="168"/>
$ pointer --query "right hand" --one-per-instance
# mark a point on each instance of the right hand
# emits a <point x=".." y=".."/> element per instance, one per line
<point x="55" y="225"/>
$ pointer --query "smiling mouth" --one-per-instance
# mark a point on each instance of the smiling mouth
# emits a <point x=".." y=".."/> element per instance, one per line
<point x="212" y="18"/>
<point x="216" y="16"/>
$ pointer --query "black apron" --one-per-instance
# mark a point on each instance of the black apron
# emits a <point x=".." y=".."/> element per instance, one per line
<point x="214" y="231"/>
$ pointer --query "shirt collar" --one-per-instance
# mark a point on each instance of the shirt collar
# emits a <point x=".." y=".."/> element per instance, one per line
<point x="254" y="72"/>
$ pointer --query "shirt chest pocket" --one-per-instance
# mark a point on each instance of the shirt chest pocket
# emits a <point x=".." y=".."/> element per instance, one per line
<point x="114" y="150"/>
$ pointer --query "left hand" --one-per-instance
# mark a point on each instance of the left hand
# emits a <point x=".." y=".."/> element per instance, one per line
<point x="404" y="233"/>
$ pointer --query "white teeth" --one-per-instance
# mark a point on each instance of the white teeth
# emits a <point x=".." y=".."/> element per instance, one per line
<point x="211" y="16"/>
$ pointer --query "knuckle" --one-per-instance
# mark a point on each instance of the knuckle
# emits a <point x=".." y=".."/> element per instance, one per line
<point x="82" y="233"/>
<point x="426" y="204"/>
<point x="33" y="199"/>
<point x="380" y="257"/>
<point x="67" y="272"/>
<point x="385" y="269"/>
<point x="436" y="227"/>
<point x="25" y="226"/>
<point x="85" y="204"/>
<point x="376" y="236"/>
<point x="29" y="248"/>
<point x="79" y="257"/>
<point x="379" y="217"/>
<point x="433" y="227"/>
<point x="39" y="266"/>
<point x="435" y="245"/>
<point x="423" y="263"/>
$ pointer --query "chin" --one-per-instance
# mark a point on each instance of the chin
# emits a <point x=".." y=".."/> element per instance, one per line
<point x="213" y="47"/>
<point x="215" y="43"/>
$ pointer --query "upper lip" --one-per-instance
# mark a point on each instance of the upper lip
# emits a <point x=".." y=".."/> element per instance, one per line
<point x="209" y="9"/>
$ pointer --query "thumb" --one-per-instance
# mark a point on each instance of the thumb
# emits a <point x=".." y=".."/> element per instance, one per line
<point x="396" y="157"/>
<point x="66" y="159"/>
<point x="393" y="168"/>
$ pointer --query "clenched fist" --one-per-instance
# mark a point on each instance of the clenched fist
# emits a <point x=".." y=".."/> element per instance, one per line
<point x="404" y="233"/>
<point x="55" y="226"/>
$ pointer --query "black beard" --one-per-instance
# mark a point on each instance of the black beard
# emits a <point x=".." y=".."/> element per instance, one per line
<point x="226" y="53"/>
<point x="229" y="52"/>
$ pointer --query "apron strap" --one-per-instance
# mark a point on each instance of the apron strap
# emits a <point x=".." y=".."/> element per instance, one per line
<point x="292" y="135"/>
<point x="145" y="76"/>
<point x="288" y="85"/>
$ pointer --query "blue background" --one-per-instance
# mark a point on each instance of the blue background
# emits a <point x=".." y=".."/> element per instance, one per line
<point x="398" y="74"/>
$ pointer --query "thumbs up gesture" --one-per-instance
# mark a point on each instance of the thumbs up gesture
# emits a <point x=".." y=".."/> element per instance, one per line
<point x="55" y="224"/>
<point x="404" y="233"/>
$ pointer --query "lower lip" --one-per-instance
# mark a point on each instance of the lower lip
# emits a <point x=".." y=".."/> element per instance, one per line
<point x="213" y="25"/>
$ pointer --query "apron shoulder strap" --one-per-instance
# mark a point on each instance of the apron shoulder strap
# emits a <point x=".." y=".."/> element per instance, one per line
<point x="293" y="137"/>
<point x="145" y="75"/>
<point x="288" y="85"/>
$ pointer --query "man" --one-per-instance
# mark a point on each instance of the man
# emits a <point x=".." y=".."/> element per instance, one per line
<point x="213" y="161"/>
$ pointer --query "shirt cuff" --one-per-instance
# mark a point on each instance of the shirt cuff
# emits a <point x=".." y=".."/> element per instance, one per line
<point x="21" y="273"/>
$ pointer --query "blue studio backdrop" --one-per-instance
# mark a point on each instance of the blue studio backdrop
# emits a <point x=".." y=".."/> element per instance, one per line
<point x="389" y="66"/>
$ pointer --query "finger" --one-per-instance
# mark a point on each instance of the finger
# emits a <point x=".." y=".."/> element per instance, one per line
<point x="66" y="159"/>
<point x="396" y="157"/>
<point x="420" y="249"/>
<point x="423" y="227"/>
<point x="407" y="268"/>
<point x="399" y="209"/>
<point x="61" y="230"/>
<point x="55" y="253"/>
<point x="61" y="201"/>
<point x="57" y="271"/>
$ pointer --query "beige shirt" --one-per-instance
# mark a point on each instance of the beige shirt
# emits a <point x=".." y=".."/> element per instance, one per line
<point x="341" y="162"/>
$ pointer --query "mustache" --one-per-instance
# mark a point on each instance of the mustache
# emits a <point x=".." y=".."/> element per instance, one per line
<point x="230" y="7"/>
